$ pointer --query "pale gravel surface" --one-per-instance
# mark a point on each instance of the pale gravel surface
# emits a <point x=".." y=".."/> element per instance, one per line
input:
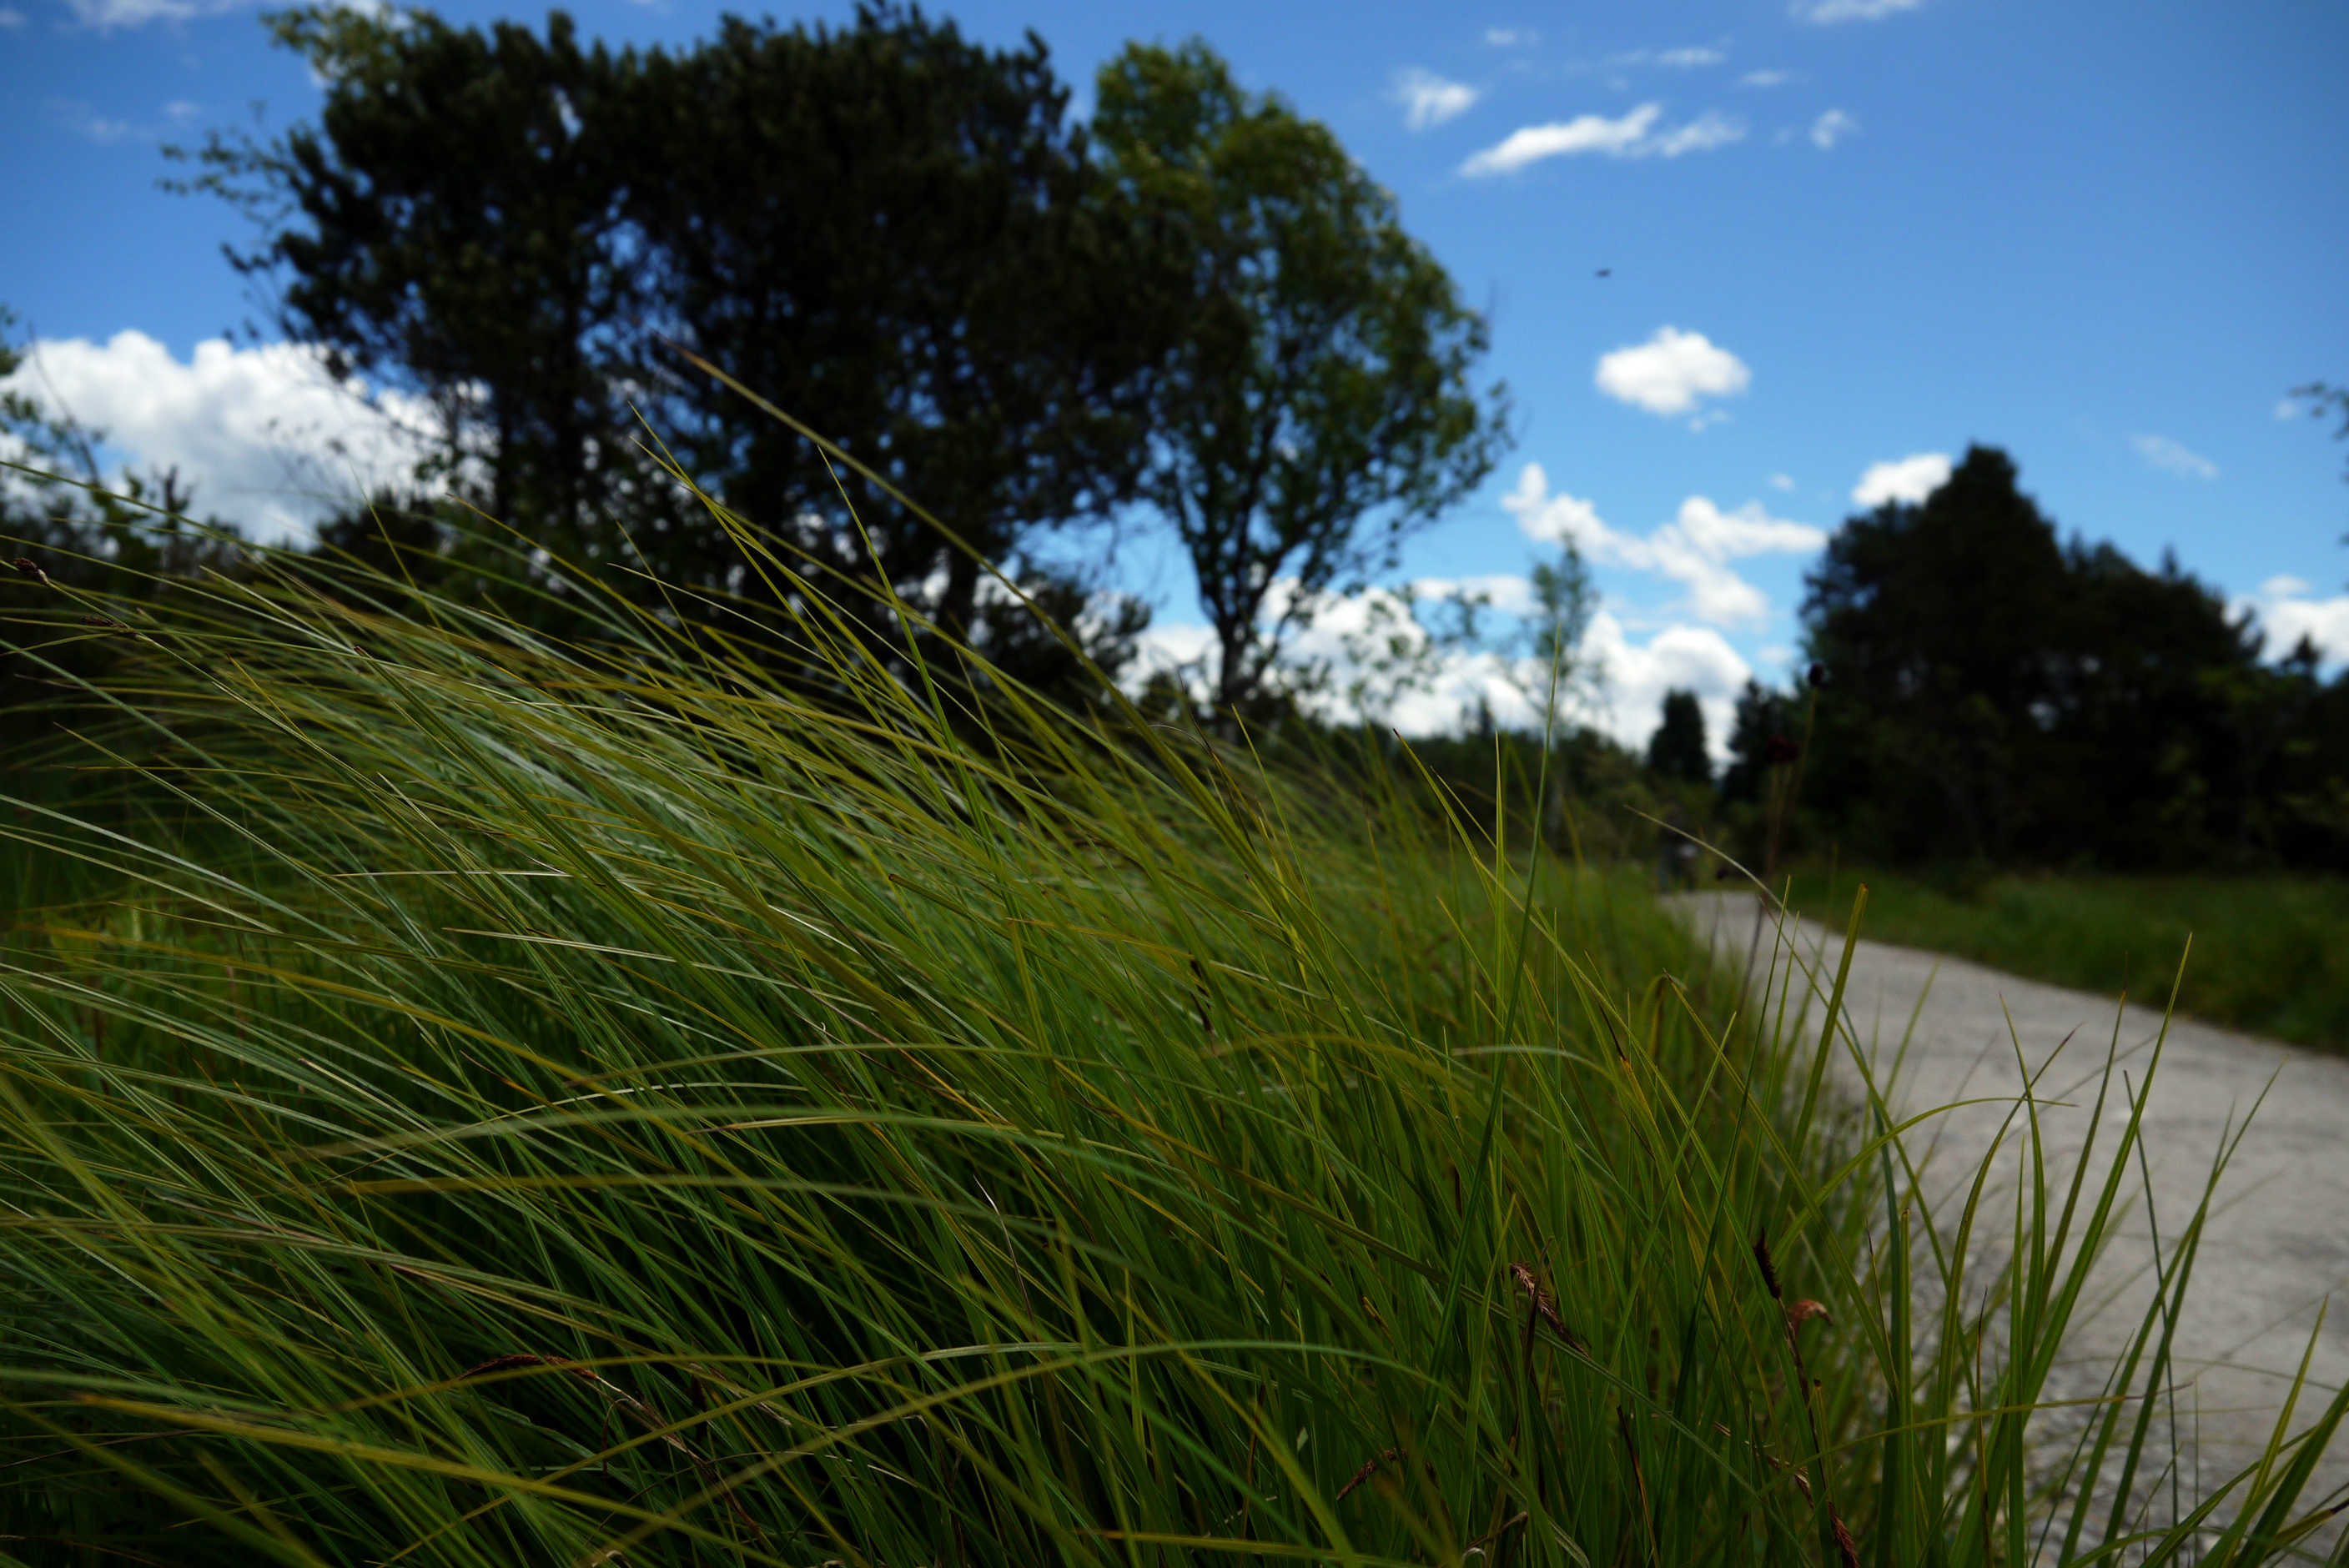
<point x="2279" y="1242"/>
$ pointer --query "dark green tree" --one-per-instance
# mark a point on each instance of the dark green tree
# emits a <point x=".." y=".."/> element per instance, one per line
<point x="884" y="229"/>
<point x="451" y="225"/>
<point x="1677" y="749"/>
<point x="1998" y="695"/>
<point x="1938" y="620"/>
<point x="926" y="268"/>
<point x="1760" y="715"/>
<point x="1318" y="407"/>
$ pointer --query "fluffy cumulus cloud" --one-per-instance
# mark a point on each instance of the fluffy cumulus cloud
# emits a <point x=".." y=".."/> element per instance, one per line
<point x="1636" y="675"/>
<point x="1429" y="99"/>
<point x="1908" y="479"/>
<point x="1831" y="127"/>
<point x="2171" y="458"/>
<point x="1831" y="11"/>
<point x="1671" y="372"/>
<point x="1772" y="78"/>
<point x="1635" y="134"/>
<point x="1510" y="38"/>
<point x="267" y="437"/>
<point x="2289" y="609"/>
<point x="1693" y="549"/>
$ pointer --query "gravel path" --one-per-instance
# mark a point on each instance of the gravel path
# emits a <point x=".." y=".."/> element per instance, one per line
<point x="2278" y="1245"/>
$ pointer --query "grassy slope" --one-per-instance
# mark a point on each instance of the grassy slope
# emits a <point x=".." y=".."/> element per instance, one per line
<point x="2270" y="954"/>
<point x="511" y="1108"/>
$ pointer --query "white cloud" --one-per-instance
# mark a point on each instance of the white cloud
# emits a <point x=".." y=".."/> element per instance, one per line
<point x="2285" y="408"/>
<point x="107" y="15"/>
<point x="1669" y="371"/>
<point x="1510" y="38"/>
<point x="1429" y="99"/>
<point x="1831" y="127"/>
<point x="2171" y="458"/>
<point x="1449" y="684"/>
<point x="1585" y="133"/>
<point x="1686" y="60"/>
<point x="1631" y="135"/>
<point x="1908" y="479"/>
<point x="81" y="121"/>
<point x="1782" y="481"/>
<point x="183" y="110"/>
<point x="1702" y="134"/>
<point x="269" y="441"/>
<point x="11" y="17"/>
<point x="1693" y="658"/>
<point x="1504" y="591"/>
<point x="1827" y="11"/>
<point x="2288" y="613"/>
<point x="1773" y="78"/>
<point x="1693" y="549"/>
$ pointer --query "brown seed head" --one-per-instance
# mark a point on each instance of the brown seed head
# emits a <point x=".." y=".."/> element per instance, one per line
<point x="1769" y="1274"/>
<point x="1846" y="1547"/>
<point x="27" y="567"/>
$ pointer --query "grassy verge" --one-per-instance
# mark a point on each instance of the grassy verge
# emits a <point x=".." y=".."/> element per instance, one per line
<point x="515" y="1104"/>
<point x="2270" y="954"/>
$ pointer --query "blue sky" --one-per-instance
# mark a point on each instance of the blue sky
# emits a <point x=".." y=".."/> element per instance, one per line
<point x="1844" y="238"/>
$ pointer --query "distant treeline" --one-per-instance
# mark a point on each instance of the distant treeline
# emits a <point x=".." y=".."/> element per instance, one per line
<point x="1980" y="691"/>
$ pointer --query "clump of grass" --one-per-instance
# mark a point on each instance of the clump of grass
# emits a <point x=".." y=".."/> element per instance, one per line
<point x="511" y="1102"/>
<point x="2268" y="954"/>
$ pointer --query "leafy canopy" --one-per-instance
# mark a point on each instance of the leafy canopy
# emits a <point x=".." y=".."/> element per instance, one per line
<point x="1316" y="408"/>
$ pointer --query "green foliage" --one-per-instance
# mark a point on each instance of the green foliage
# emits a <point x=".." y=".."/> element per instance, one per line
<point x="550" y="241"/>
<point x="1316" y="407"/>
<point x="1677" y="749"/>
<point x="1761" y="713"/>
<point x="1999" y="697"/>
<point x="510" y="1104"/>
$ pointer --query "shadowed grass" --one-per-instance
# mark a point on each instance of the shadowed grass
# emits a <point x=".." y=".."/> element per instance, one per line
<point x="513" y="1103"/>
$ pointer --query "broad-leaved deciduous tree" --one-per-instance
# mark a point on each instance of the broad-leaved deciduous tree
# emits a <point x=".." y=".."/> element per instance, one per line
<point x="1318" y="405"/>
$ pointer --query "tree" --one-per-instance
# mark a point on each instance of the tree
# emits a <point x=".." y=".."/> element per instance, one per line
<point x="1759" y="715"/>
<point x="1677" y="749"/>
<point x="1316" y="408"/>
<point x="1936" y="619"/>
<point x="451" y="226"/>
<point x="928" y="268"/>
<point x="884" y="230"/>
<point x="1559" y="669"/>
<point x="1998" y="695"/>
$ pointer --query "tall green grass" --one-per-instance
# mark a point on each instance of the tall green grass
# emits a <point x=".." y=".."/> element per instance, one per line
<point x="499" y="1102"/>
<point x="2270" y="951"/>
